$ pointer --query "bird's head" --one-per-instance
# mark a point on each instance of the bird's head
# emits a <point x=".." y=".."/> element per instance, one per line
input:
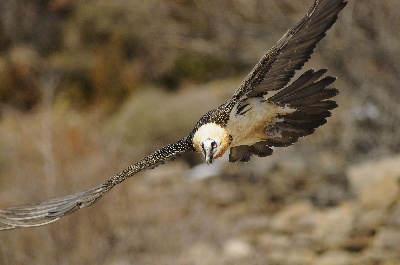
<point x="212" y="140"/>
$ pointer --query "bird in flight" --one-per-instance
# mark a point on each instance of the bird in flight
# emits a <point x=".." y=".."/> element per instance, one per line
<point x="266" y="111"/>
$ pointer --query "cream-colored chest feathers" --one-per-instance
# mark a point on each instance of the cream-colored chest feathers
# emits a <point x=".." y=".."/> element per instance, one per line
<point x="249" y="128"/>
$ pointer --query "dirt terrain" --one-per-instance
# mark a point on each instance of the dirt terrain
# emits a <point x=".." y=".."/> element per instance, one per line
<point x="89" y="87"/>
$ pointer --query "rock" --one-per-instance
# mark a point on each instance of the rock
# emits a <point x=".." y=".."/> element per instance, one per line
<point x="286" y="219"/>
<point x="237" y="248"/>
<point x="394" y="218"/>
<point x="300" y="257"/>
<point x="370" y="220"/>
<point x="375" y="183"/>
<point x="271" y="241"/>
<point x="379" y="256"/>
<point x="294" y="256"/>
<point x="329" y="195"/>
<point x="388" y="239"/>
<point x="358" y="242"/>
<point x="334" y="226"/>
<point x="223" y="194"/>
<point x="326" y="228"/>
<point x="202" y="253"/>
<point x="381" y="195"/>
<point x="250" y="223"/>
<point x="334" y="257"/>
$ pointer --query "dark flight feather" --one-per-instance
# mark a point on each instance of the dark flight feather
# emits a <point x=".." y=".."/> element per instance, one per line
<point x="309" y="95"/>
<point x="277" y="67"/>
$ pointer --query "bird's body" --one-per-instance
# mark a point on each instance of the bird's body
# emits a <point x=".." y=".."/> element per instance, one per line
<point x="247" y="125"/>
<point x="264" y="112"/>
<point x="258" y="112"/>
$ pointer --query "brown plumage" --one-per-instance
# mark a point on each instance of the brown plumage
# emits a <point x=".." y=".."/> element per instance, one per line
<point x="264" y="112"/>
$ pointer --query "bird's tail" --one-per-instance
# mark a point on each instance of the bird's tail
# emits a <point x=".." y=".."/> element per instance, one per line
<point x="310" y="96"/>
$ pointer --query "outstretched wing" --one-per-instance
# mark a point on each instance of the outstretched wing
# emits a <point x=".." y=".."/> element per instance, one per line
<point x="51" y="210"/>
<point x="277" y="67"/>
<point x="309" y="96"/>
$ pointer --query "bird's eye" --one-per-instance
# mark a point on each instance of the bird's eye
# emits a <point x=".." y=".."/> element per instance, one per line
<point x="213" y="144"/>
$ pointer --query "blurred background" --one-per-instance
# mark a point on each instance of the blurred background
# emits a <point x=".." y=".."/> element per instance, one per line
<point x="88" y="87"/>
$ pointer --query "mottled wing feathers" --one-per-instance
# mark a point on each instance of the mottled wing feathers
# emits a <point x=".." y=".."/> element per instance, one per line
<point x="309" y="95"/>
<point x="51" y="210"/>
<point x="278" y="65"/>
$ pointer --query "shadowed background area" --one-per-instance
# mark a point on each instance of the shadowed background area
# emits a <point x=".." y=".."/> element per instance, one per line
<point x="89" y="87"/>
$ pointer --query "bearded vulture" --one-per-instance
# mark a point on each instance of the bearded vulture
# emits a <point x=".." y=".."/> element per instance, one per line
<point x="265" y="111"/>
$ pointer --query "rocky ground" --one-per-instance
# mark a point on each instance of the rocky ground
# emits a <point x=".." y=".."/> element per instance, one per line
<point x="86" y="91"/>
<point x="306" y="204"/>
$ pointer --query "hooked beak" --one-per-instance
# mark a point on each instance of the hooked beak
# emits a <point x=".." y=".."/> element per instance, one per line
<point x="208" y="155"/>
<point x="209" y="159"/>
